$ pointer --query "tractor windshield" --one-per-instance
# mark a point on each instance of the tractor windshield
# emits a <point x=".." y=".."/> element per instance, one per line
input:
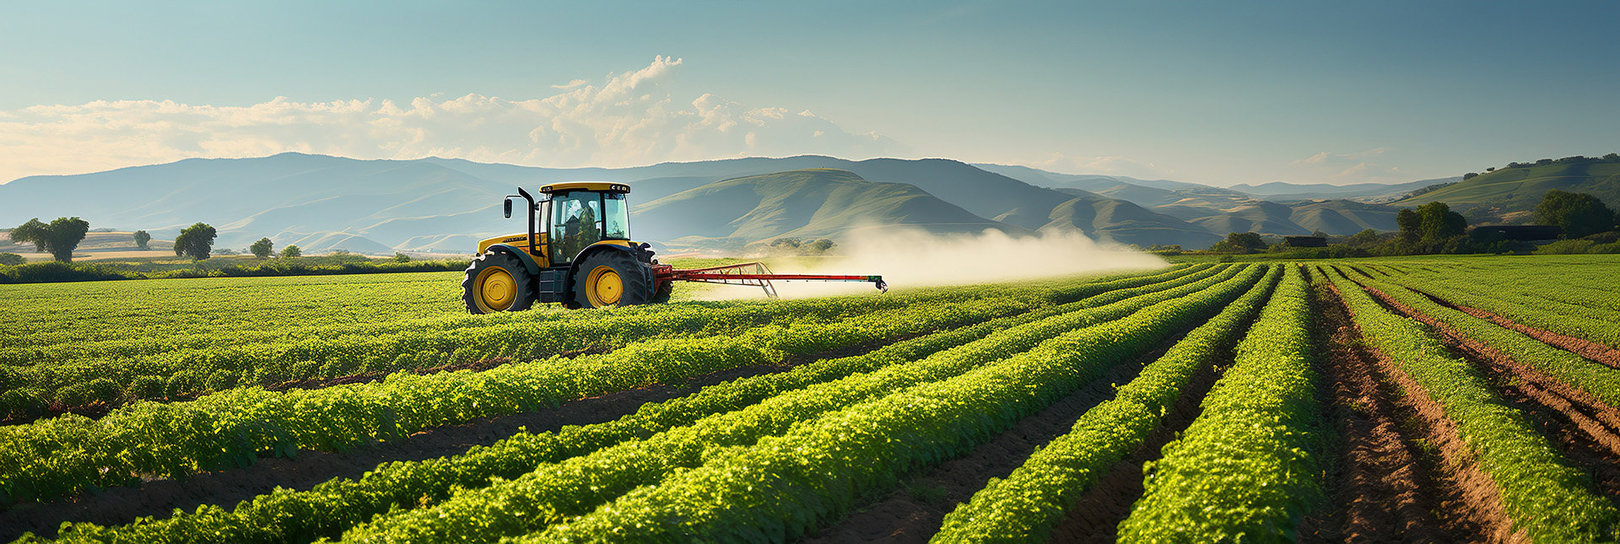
<point x="582" y="218"/>
<point x="615" y="217"/>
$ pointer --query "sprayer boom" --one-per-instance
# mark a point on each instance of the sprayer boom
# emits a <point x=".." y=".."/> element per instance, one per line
<point x="755" y="274"/>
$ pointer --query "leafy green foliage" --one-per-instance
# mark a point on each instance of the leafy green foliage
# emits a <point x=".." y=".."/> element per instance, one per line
<point x="817" y="470"/>
<point x="59" y="238"/>
<point x="1252" y="464"/>
<point x="1026" y="505"/>
<point x="1579" y="214"/>
<point x="195" y="241"/>
<point x="1545" y="497"/>
<point x="142" y="238"/>
<point x="263" y="248"/>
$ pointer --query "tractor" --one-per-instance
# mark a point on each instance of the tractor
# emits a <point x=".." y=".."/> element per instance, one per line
<point x="577" y="252"/>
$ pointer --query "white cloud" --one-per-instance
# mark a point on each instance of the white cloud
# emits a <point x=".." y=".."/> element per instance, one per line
<point x="628" y="119"/>
<point x="1341" y="158"/>
<point x="1105" y="165"/>
<point x="1341" y="168"/>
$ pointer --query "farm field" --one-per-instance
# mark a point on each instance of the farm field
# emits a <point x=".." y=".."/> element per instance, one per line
<point x="1418" y="399"/>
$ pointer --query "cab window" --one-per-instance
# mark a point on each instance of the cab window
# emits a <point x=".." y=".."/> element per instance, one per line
<point x="576" y="223"/>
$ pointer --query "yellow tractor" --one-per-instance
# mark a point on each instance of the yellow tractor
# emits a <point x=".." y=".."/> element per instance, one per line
<point x="578" y="252"/>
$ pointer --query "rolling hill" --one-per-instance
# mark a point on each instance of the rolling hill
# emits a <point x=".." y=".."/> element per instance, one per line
<point x="1511" y="194"/>
<point x="810" y="203"/>
<point x="444" y="205"/>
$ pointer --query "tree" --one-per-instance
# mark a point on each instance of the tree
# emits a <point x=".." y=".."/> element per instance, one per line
<point x="1365" y="238"/>
<point x="401" y="257"/>
<point x="1437" y="222"/>
<point x="196" y="241"/>
<point x="1239" y="242"/>
<point x="141" y="238"/>
<point x="1409" y="223"/>
<point x="1579" y="214"/>
<point x="64" y="236"/>
<point x="822" y="246"/>
<point x="59" y="238"/>
<point x="32" y="231"/>
<point x="291" y="252"/>
<point x="262" y="249"/>
<point x="1471" y="175"/>
<point x="11" y="259"/>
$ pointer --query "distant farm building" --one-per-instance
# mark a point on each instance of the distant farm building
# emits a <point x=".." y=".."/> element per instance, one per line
<point x="1304" y="241"/>
<point x="1521" y="233"/>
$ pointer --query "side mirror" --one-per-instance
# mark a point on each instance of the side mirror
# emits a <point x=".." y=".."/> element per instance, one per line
<point x="508" y="207"/>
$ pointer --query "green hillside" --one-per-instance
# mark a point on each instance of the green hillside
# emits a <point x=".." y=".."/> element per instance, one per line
<point x="1512" y="193"/>
<point x="810" y="203"/>
<point x="1120" y="221"/>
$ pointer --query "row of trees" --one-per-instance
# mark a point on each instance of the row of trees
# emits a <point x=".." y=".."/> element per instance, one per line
<point x="1435" y="228"/>
<point x="63" y="235"/>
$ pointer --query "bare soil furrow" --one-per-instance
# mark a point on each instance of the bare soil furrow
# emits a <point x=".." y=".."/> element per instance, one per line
<point x="1592" y="351"/>
<point x="913" y="513"/>
<point x="1383" y="488"/>
<point x="1473" y="505"/>
<point x="1588" y="412"/>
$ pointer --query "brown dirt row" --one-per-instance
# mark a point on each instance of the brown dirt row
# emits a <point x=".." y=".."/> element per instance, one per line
<point x="1557" y="420"/>
<point x="1480" y="502"/>
<point x="160" y="497"/>
<point x="1385" y="486"/>
<point x="913" y="513"/>
<point x="1585" y="431"/>
<point x="1585" y="348"/>
<point x="1099" y="510"/>
<point x="1591" y="414"/>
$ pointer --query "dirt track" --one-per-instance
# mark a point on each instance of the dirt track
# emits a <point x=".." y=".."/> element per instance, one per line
<point x="1385" y="487"/>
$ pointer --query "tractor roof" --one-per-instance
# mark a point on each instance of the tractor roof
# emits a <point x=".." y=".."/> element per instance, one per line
<point x="602" y="186"/>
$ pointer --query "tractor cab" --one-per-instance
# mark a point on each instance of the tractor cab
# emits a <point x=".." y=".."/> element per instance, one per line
<point x="581" y="214"/>
<point x="576" y="251"/>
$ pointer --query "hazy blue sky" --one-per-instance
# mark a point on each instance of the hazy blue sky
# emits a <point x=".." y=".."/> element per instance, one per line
<point x="1218" y="92"/>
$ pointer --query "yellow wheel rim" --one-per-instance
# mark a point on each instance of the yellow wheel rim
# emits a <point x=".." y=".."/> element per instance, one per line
<point x="496" y="289"/>
<point x="603" y="286"/>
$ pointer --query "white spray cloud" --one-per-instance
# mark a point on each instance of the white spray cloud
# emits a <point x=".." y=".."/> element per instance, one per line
<point x="913" y="258"/>
<point x="625" y="120"/>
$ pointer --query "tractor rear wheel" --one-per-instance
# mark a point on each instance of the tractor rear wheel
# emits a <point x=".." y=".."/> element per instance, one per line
<point x="612" y="278"/>
<point x="497" y="282"/>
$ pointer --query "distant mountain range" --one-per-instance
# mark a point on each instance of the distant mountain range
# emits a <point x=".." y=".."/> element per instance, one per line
<point x="322" y="203"/>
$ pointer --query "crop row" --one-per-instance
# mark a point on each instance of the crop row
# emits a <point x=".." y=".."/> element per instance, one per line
<point x="1027" y="504"/>
<point x="818" y="469"/>
<point x="343" y="502"/>
<point x="63" y="455"/>
<point x="60" y="456"/>
<point x="554" y="492"/>
<point x="1547" y="500"/>
<point x="1594" y="324"/>
<point x="1596" y="379"/>
<point x="225" y="307"/>
<point x="185" y="372"/>
<point x="326" y="510"/>
<point x="1251" y="465"/>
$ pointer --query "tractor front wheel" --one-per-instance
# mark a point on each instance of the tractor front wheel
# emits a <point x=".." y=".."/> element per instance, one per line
<point x="497" y="282"/>
<point x="612" y="278"/>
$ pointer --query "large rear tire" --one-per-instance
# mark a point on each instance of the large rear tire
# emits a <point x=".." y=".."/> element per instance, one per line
<point x="606" y="279"/>
<point x="497" y="282"/>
